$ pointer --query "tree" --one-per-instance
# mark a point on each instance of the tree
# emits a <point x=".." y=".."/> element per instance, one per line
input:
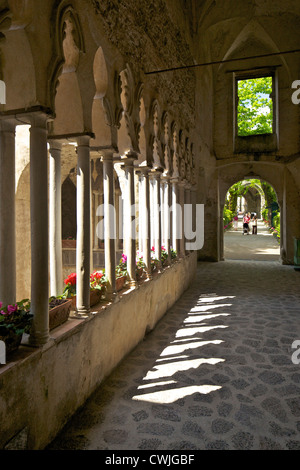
<point x="255" y="106"/>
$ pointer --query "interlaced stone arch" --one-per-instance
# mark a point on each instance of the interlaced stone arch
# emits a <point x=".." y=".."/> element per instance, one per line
<point x="67" y="35"/>
<point x="128" y="135"/>
<point x="166" y="143"/>
<point x="155" y="137"/>
<point x="107" y="107"/>
<point x="174" y="150"/>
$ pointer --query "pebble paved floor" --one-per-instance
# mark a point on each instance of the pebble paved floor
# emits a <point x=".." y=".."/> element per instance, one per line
<point x="216" y="373"/>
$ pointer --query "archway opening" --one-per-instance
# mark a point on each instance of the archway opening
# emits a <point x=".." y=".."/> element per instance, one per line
<point x="251" y="221"/>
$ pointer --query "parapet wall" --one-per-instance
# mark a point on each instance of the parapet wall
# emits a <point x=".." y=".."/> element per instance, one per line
<point x="42" y="388"/>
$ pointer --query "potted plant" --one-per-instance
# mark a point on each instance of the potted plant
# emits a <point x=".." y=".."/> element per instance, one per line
<point x="121" y="272"/>
<point x="97" y="287"/>
<point x="154" y="260"/>
<point x="98" y="283"/>
<point x="59" y="311"/>
<point x="164" y="256"/>
<point x="14" y="321"/>
<point x="140" y="266"/>
<point x="69" y="242"/>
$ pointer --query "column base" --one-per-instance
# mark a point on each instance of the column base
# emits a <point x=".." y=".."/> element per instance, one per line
<point x="82" y="313"/>
<point x="113" y="297"/>
<point x="37" y="341"/>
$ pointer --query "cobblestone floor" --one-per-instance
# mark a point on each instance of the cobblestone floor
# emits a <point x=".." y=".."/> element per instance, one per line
<point x="216" y="373"/>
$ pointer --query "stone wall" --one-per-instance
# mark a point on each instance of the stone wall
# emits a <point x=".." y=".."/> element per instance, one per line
<point x="41" y="389"/>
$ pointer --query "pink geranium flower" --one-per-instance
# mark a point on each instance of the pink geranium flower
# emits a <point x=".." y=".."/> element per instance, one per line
<point x="11" y="309"/>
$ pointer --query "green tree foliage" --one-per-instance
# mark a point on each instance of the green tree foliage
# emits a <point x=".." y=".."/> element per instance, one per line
<point x="255" y="107"/>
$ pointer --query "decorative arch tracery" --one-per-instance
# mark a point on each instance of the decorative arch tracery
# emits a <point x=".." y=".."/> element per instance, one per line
<point x="68" y="43"/>
<point x="155" y="138"/>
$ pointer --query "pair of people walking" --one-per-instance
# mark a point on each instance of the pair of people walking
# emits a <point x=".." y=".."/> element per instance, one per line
<point x="246" y="224"/>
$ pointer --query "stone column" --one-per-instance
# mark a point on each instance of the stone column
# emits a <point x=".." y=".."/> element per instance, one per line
<point x="181" y="186"/>
<point x="176" y="217"/>
<point x="7" y="214"/>
<point x="145" y="220"/>
<point x="141" y="211"/>
<point x="39" y="230"/>
<point x="187" y="222"/>
<point x="109" y="221"/>
<point x="118" y="217"/>
<point x="155" y="176"/>
<point x="167" y="217"/>
<point x="130" y="219"/>
<point x="55" y="230"/>
<point x="83" y="244"/>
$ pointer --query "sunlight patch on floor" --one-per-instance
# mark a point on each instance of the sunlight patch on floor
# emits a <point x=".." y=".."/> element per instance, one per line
<point x="183" y="353"/>
<point x="178" y="348"/>
<point x="170" y="396"/>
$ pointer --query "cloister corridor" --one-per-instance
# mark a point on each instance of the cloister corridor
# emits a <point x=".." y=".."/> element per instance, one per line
<point x="218" y="372"/>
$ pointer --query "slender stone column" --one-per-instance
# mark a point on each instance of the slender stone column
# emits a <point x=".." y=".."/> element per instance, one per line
<point x="167" y="217"/>
<point x="181" y="203"/>
<point x="176" y="217"/>
<point x="83" y="244"/>
<point x="109" y="221"/>
<point x="130" y="222"/>
<point x="155" y="176"/>
<point x="55" y="230"/>
<point x="118" y="208"/>
<point x="145" y="220"/>
<point x="39" y="230"/>
<point x="141" y="211"/>
<point x="7" y="214"/>
<point x="194" y="205"/>
<point x="92" y="219"/>
<point x="188" y="205"/>
<point x="162" y="209"/>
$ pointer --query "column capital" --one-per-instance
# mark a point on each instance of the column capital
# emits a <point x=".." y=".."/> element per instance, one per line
<point x="83" y="140"/>
<point x="144" y="170"/>
<point x="38" y="119"/>
<point x="108" y="155"/>
<point x="129" y="159"/>
<point x="155" y="173"/>
<point x="174" y="180"/>
<point x="55" y="144"/>
<point x="8" y="125"/>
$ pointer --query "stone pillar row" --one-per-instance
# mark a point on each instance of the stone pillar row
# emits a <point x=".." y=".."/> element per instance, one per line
<point x="46" y="219"/>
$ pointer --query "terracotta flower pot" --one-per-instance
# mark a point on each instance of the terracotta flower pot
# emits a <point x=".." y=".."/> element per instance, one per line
<point x="69" y="243"/>
<point x="12" y="341"/>
<point x="95" y="297"/>
<point x="59" y="312"/>
<point x="120" y="281"/>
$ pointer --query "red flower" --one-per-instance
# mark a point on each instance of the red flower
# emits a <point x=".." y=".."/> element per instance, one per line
<point x="71" y="279"/>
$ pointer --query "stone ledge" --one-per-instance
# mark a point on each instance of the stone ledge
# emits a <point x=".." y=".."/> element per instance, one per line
<point x="40" y="389"/>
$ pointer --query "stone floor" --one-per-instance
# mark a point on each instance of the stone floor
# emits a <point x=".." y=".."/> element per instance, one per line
<point x="218" y="372"/>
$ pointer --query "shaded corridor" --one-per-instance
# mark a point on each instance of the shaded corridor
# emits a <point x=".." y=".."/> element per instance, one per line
<point x="216" y="373"/>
